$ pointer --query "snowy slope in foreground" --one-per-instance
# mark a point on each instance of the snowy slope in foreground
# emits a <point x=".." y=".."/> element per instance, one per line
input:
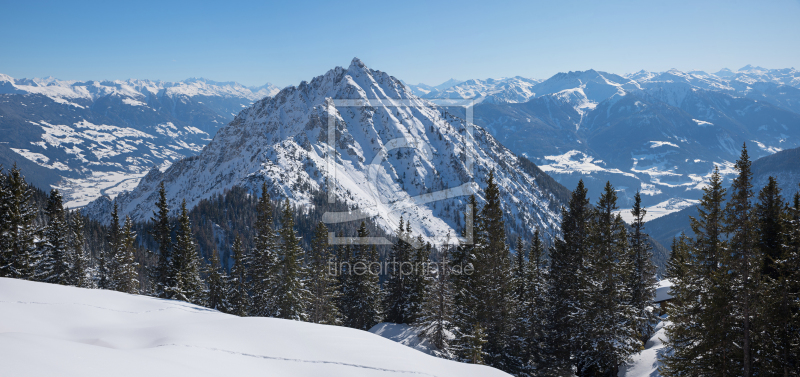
<point x="52" y="330"/>
<point x="645" y="364"/>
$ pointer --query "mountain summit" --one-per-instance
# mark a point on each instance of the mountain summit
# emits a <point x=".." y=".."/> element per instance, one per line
<point x="391" y="154"/>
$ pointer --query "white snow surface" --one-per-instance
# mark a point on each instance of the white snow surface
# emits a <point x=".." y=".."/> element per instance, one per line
<point x="662" y="290"/>
<point x="53" y="330"/>
<point x="646" y="363"/>
<point x="405" y="335"/>
<point x="283" y="141"/>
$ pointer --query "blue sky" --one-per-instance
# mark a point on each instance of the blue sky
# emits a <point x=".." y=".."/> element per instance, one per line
<point x="254" y="42"/>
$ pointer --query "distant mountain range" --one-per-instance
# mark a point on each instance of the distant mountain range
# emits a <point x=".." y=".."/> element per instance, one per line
<point x="100" y="137"/>
<point x="660" y="133"/>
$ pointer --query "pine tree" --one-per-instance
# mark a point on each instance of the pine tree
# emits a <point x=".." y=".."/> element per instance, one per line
<point x="493" y="288"/>
<point x="80" y="274"/>
<point x="537" y="309"/>
<point x="606" y="330"/>
<point x="54" y="249"/>
<point x="323" y="284"/>
<point x="362" y="291"/>
<point x="398" y="285"/>
<point x="239" y="298"/>
<point x="290" y="291"/>
<point x="217" y="294"/>
<point x="264" y="259"/>
<point x="522" y="317"/>
<point x="417" y="281"/>
<point x="700" y="334"/>
<point x="107" y="263"/>
<point x="773" y="224"/>
<point x="19" y="258"/>
<point x="436" y="318"/>
<point x="743" y="259"/>
<point x="463" y="280"/>
<point x="642" y="281"/>
<point x="125" y="277"/>
<point x="566" y="274"/>
<point x="188" y="284"/>
<point x="164" y="272"/>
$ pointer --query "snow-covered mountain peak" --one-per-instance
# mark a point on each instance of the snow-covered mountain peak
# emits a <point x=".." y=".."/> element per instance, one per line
<point x="399" y="156"/>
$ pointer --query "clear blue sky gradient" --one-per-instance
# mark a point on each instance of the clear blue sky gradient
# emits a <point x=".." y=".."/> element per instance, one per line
<point x="254" y="42"/>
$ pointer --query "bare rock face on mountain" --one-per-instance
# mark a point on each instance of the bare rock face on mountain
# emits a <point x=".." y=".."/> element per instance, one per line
<point x="386" y="152"/>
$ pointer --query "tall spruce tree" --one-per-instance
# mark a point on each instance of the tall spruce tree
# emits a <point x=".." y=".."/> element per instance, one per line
<point x="238" y="295"/>
<point x="463" y="280"/>
<point x="566" y="273"/>
<point x="18" y="257"/>
<point x="606" y="330"/>
<point x="417" y="280"/>
<point x="125" y="276"/>
<point x="700" y="334"/>
<point x="436" y="318"/>
<point x="398" y="285"/>
<point x="106" y="264"/>
<point x="521" y="316"/>
<point x="164" y="272"/>
<point x="323" y="285"/>
<point x="493" y="290"/>
<point x="362" y="291"/>
<point x="54" y="248"/>
<point x="264" y="259"/>
<point x="642" y="281"/>
<point x="290" y="290"/>
<point x="217" y="294"/>
<point x="80" y="274"/>
<point x="537" y="309"/>
<point x="743" y="260"/>
<point x="773" y="224"/>
<point x="188" y="284"/>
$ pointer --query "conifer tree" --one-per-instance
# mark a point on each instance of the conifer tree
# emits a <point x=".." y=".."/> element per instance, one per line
<point x="19" y="258"/>
<point x="773" y="224"/>
<point x="345" y="279"/>
<point x="521" y="316"/>
<point x="290" y="291"/>
<point x="398" y="285"/>
<point x="700" y="334"/>
<point x="566" y="274"/>
<point x="463" y="280"/>
<point x="493" y="289"/>
<point x="125" y="277"/>
<point x="362" y="291"/>
<point x="607" y="321"/>
<point x="436" y="318"/>
<point x="642" y="281"/>
<point x="743" y="259"/>
<point x="162" y="233"/>
<point x="323" y="284"/>
<point x="80" y="274"/>
<point x="217" y="295"/>
<point x="417" y="280"/>
<point x="107" y="263"/>
<point x="54" y="250"/>
<point x="537" y="309"/>
<point x="239" y="298"/>
<point x="264" y="259"/>
<point x="188" y="284"/>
